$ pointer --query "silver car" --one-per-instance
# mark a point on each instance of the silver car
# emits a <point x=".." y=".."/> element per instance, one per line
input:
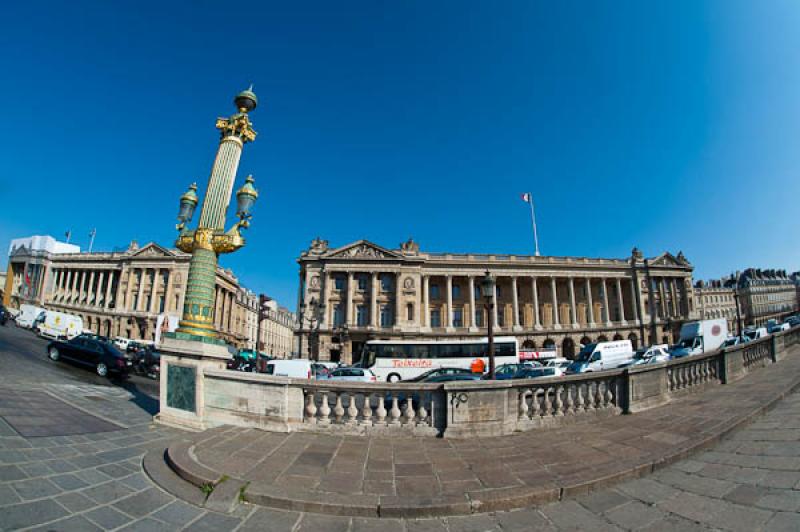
<point x="348" y="373"/>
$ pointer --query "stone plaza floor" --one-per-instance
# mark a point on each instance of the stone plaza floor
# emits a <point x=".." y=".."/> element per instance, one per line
<point x="95" y="480"/>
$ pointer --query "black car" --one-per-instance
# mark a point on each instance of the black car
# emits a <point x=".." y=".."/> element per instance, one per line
<point x="437" y="372"/>
<point x="85" y="349"/>
<point x="532" y="373"/>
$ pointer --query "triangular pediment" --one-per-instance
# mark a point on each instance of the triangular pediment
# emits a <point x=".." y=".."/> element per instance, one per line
<point x="152" y="250"/>
<point x="362" y="249"/>
<point x="667" y="259"/>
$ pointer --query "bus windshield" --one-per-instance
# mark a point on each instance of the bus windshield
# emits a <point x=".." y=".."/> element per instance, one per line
<point x="367" y="356"/>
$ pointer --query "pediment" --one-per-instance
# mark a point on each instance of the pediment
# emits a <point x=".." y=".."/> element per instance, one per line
<point x="152" y="250"/>
<point x="362" y="249"/>
<point x="668" y="259"/>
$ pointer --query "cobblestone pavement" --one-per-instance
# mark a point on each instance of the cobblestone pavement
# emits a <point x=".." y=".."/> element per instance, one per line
<point x="95" y="481"/>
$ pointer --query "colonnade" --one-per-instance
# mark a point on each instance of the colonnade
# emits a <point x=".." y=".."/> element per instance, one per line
<point x="85" y="286"/>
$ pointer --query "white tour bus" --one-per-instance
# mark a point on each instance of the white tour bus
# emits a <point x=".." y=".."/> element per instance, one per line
<point x="395" y="360"/>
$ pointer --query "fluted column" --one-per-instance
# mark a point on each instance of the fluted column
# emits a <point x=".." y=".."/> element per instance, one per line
<point x="605" y="302"/>
<point x="426" y="315"/>
<point x="349" y="307"/>
<point x="90" y="289"/>
<point x="590" y="302"/>
<point x="154" y="291"/>
<point x="515" y="304"/>
<point x="556" y="320"/>
<point x="373" y="301"/>
<point x="472" y="310"/>
<point x="449" y="319"/>
<point x="537" y="321"/>
<point x="633" y="301"/>
<point x="101" y="277"/>
<point x="621" y="301"/>
<point x="572" y="312"/>
<point x="140" y="300"/>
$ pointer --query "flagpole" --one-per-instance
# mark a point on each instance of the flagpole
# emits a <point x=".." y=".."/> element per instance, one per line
<point x="533" y="223"/>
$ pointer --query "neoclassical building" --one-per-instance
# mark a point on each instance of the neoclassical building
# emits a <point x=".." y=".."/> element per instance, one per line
<point x="715" y="299"/>
<point x="766" y="295"/>
<point x="363" y="291"/>
<point x="121" y="293"/>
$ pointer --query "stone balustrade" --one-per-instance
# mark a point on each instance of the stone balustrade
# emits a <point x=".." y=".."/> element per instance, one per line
<point x="460" y="409"/>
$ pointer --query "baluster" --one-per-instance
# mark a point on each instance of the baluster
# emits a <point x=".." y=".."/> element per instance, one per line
<point x="380" y="412"/>
<point x="366" y="411"/>
<point x="671" y="379"/>
<point x="557" y="403"/>
<point x="324" y="409"/>
<point x="394" y="413"/>
<point x="568" y="399"/>
<point x="546" y="407"/>
<point x="338" y="409"/>
<point x="409" y="409"/>
<point x="422" y="412"/>
<point x="311" y="407"/>
<point x="598" y="397"/>
<point x="588" y="403"/>
<point x="579" y="404"/>
<point x="609" y="395"/>
<point x="352" y="410"/>
<point x="681" y="376"/>
<point x="523" y="404"/>
<point x="536" y="409"/>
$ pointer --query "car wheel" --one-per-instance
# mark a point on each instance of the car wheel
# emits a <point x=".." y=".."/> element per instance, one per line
<point x="393" y="377"/>
<point x="102" y="369"/>
<point x="54" y="354"/>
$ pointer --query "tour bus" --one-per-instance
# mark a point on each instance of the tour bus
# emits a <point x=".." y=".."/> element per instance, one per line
<point x="396" y="360"/>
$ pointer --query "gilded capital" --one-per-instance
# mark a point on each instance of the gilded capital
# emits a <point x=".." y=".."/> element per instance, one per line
<point x="237" y="125"/>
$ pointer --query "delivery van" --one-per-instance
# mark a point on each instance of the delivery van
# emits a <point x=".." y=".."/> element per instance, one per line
<point x="28" y="315"/>
<point x="602" y="356"/>
<point x="60" y="326"/>
<point x="295" y="368"/>
<point x="699" y="337"/>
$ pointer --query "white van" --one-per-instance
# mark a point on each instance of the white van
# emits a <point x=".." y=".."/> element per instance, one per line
<point x="296" y="368"/>
<point x="60" y="326"/>
<point x="27" y="315"/>
<point x="698" y="337"/>
<point x="602" y="356"/>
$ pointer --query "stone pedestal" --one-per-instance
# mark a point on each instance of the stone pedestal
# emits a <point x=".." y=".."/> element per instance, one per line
<point x="183" y="363"/>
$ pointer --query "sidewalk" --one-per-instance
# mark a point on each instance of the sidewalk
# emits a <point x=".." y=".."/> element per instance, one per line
<point x="423" y="477"/>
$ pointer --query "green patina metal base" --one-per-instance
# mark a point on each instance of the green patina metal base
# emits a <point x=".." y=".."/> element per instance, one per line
<point x="177" y="335"/>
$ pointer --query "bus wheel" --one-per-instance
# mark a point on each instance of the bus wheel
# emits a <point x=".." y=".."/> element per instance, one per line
<point x="393" y="377"/>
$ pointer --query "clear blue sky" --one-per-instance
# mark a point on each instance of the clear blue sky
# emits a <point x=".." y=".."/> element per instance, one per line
<point x="665" y="125"/>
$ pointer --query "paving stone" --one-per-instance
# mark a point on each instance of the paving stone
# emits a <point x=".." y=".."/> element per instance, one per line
<point x="717" y="513"/>
<point x="473" y="523"/>
<point x="8" y="496"/>
<point x="11" y="472"/>
<point x="782" y="500"/>
<point x="648" y="490"/>
<point x="107" y="492"/>
<point x="523" y="521"/>
<point x="746" y="494"/>
<point x="36" y="469"/>
<point x="143" y="503"/>
<point x="425" y="525"/>
<point x="31" y="514"/>
<point x="36" y="488"/>
<point x="108" y="518"/>
<point x="212" y="522"/>
<point x="178" y="513"/>
<point x="780" y="479"/>
<point x="68" y="482"/>
<point x="328" y="523"/>
<point x="114" y="470"/>
<point x="572" y="516"/>
<point x="695" y="483"/>
<point x="783" y="522"/>
<point x="602" y="501"/>
<point x="137" y="481"/>
<point x="361" y="524"/>
<point x="144" y="525"/>
<point x="634" y="515"/>
<point x="76" y="523"/>
<point x="75" y="502"/>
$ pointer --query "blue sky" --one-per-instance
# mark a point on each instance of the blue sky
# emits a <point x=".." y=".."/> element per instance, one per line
<point x="665" y="125"/>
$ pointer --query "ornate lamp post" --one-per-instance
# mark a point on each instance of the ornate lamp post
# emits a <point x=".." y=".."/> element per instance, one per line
<point x="210" y="238"/>
<point x="487" y="290"/>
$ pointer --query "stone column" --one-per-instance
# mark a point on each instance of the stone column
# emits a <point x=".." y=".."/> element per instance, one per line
<point x="426" y="315"/>
<point x="621" y="301"/>
<point x="494" y="303"/>
<point x="72" y="290"/>
<point x="154" y="291"/>
<point x="472" y="310"/>
<point x="633" y="301"/>
<point x="398" y="300"/>
<point x="661" y="303"/>
<point x="675" y="301"/>
<point x="572" y="313"/>
<point x="449" y="319"/>
<point x="590" y="302"/>
<point x="90" y="293"/>
<point x="605" y="301"/>
<point x="348" y="319"/>
<point x="140" y="298"/>
<point x="537" y="322"/>
<point x="99" y="292"/>
<point x="109" y="285"/>
<point x="83" y="289"/>
<point x="515" y="304"/>
<point x="373" y="304"/>
<point x="324" y="298"/>
<point x="68" y="285"/>
<point x="556" y="321"/>
<point x="168" y="292"/>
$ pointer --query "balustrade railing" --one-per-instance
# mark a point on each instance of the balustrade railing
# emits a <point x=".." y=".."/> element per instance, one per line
<point x="371" y="405"/>
<point x="686" y="373"/>
<point x="557" y="397"/>
<point x="757" y="354"/>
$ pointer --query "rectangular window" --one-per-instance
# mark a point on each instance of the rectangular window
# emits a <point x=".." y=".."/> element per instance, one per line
<point x="436" y="318"/>
<point x="499" y="290"/>
<point x="361" y="315"/>
<point x="458" y="317"/>
<point x="338" y="282"/>
<point x="479" y="318"/>
<point x="434" y="291"/>
<point x="410" y="312"/>
<point x="386" y="316"/>
<point x="338" y="315"/>
<point x="386" y="283"/>
<point x="500" y="320"/>
<point x="456" y="291"/>
<point x="362" y="282"/>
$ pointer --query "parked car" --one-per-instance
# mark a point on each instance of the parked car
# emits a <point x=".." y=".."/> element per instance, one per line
<point x="320" y="370"/>
<point x="778" y="327"/>
<point x="349" y="373"/>
<point x="453" y="377"/>
<point x="735" y="340"/>
<point x="237" y="363"/>
<point x="559" y="364"/>
<point x="755" y="333"/>
<point x="440" y="371"/>
<point x="793" y="321"/>
<point x="533" y="373"/>
<point x="102" y="356"/>
<point x="509" y="371"/>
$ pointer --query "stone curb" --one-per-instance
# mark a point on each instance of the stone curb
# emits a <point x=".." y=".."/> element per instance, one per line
<point x="181" y="460"/>
<point x="157" y="469"/>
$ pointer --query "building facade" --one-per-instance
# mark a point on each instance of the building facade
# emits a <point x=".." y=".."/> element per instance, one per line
<point x="716" y="299"/>
<point x="766" y="295"/>
<point x="122" y="293"/>
<point x="278" y="326"/>
<point x="362" y="291"/>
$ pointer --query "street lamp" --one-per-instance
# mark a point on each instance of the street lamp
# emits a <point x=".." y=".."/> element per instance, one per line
<point x="738" y="315"/>
<point x="487" y="290"/>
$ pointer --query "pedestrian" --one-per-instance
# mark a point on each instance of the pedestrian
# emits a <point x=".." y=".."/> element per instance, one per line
<point x="478" y="366"/>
